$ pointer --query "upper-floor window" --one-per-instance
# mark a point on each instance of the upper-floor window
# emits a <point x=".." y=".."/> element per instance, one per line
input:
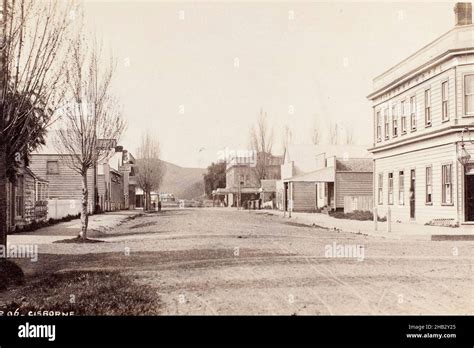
<point x="52" y="167"/>
<point x="444" y="101"/>
<point x="427" y="107"/>
<point x="429" y="185"/>
<point x="386" y="123"/>
<point x="403" y="117"/>
<point x="394" y="121"/>
<point x="469" y="94"/>
<point x="379" y="126"/>
<point x="413" y="113"/>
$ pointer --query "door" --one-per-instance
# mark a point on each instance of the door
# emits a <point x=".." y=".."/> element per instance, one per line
<point x="285" y="197"/>
<point x="412" y="194"/>
<point x="330" y="195"/>
<point x="469" y="195"/>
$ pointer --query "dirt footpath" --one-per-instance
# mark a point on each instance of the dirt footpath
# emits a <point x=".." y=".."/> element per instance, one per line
<point x="223" y="261"/>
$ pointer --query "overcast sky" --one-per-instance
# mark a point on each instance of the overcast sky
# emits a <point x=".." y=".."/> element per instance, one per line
<point x="197" y="74"/>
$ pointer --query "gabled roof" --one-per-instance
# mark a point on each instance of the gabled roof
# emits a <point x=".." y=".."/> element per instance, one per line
<point x="357" y="165"/>
<point x="33" y="175"/>
<point x="322" y="175"/>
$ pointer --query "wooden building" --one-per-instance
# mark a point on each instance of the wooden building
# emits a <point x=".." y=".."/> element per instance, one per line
<point x="65" y="184"/>
<point x="27" y="199"/>
<point x="116" y="182"/>
<point x="110" y="188"/>
<point x="423" y="110"/>
<point x="243" y="178"/>
<point x="319" y="177"/>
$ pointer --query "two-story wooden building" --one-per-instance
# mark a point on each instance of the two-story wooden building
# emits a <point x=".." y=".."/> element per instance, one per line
<point x="421" y="108"/>
<point x="244" y="175"/>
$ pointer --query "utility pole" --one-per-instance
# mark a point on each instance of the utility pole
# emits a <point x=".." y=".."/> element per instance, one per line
<point x="239" y="196"/>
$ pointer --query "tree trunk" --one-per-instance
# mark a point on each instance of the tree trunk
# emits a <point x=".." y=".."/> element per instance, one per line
<point x="147" y="201"/>
<point x="3" y="195"/>
<point x="84" y="213"/>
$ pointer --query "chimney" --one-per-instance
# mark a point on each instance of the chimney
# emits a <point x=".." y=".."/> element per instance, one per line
<point x="463" y="13"/>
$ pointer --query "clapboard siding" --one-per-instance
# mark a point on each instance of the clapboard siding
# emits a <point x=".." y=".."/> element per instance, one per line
<point x="65" y="185"/>
<point x="352" y="184"/>
<point x="440" y="146"/>
<point x="418" y="90"/>
<point x="304" y="196"/>
<point x="418" y="160"/>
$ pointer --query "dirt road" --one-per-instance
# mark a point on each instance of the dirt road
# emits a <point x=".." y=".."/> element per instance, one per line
<point x="223" y="261"/>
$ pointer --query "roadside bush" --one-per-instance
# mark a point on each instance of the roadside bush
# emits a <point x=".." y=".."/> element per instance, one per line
<point x="10" y="274"/>
<point x="356" y="215"/>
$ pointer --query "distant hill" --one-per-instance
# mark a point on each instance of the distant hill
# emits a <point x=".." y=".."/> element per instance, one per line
<point x="184" y="183"/>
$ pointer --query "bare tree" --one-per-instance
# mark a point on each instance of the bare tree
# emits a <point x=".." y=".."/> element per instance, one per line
<point x="150" y="169"/>
<point x="333" y="133"/>
<point x="316" y="132"/>
<point x="286" y="141"/>
<point x="340" y="135"/>
<point x="91" y="122"/>
<point x="349" y="139"/>
<point x="261" y="140"/>
<point x="34" y="38"/>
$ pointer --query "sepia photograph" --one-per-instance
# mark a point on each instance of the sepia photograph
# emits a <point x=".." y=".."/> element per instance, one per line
<point x="174" y="160"/>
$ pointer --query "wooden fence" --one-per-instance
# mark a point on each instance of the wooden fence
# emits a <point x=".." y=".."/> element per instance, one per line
<point x="363" y="203"/>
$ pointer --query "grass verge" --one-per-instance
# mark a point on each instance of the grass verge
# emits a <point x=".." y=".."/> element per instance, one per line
<point x="84" y="293"/>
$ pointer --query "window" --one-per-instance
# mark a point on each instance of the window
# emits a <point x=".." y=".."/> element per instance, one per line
<point x="41" y="191"/>
<point x="444" y="101"/>
<point x="394" y="121"/>
<point x="413" y="113"/>
<point x="429" y="185"/>
<point x="387" y="124"/>
<point x="401" y="187"/>
<point x="320" y="190"/>
<point x="379" y="126"/>
<point x="390" y="188"/>
<point x="447" y="189"/>
<point x="52" y="167"/>
<point x="469" y="94"/>
<point x="427" y="107"/>
<point x="380" y="189"/>
<point x="19" y="197"/>
<point x="403" y="117"/>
